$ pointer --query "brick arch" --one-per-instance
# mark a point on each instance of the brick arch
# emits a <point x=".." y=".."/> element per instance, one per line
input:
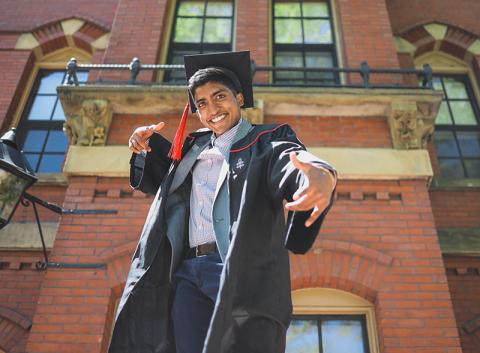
<point x="14" y="327"/>
<point x="455" y="42"/>
<point x="62" y="33"/>
<point x="347" y="266"/>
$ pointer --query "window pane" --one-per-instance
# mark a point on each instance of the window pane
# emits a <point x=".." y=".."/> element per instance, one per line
<point x="49" y="81"/>
<point x="287" y="9"/>
<point x="82" y="76"/>
<point x="32" y="159"/>
<point x="342" y="336"/>
<point x="322" y="60"/>
<point x="302" y="337"/>
<point x="315" y="9"/>
<point x="317" y="31"/>
<point x="217" y="8"/>
<point x="463" y="113"/>
<point x="177" y="58"/>
<point x="58" y="114"/>
<point x="437" y="83"/>
<point x="455" y="88"/>
<point x="289" y="59"/>
<point x="188" y="30"/>
<point x="34" y="141"/>
<point x="51" y="163"/>
<point x="451" y="168"/>
<point x="42" y="108"/>
<point x="57" y="142"/>
<point x="288" y="31"/>
<point x="473" y="168"/>
<point x="469" y="143"/>
<point x="191" y="8"/>
<point x="443" y="116"/>
<point x="217" y="30"/>
<point x="445" y="144"/>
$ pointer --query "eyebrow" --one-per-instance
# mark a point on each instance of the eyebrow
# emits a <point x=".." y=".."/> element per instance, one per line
<point x="212" y="95"/>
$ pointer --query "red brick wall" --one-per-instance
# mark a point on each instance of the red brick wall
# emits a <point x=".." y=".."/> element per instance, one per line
<point x="464" y="281"/>
<point x="17" y="66"/>
<point x="136" y="32"/>
<point x="380" y="243"/>
<point x="75" y="307"/>
<point x="30" y="14"/>
<point x="367" y="36"/>
<point x="406" y="14"/>
<point x="456" y="208"/>
<point x="19" y="290"/>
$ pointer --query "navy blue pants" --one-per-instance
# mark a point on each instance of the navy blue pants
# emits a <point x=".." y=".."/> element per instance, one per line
<point x="196" y="287"/>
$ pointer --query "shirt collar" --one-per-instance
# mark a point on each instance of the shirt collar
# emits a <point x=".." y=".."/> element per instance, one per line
<point x="225" y="139"/>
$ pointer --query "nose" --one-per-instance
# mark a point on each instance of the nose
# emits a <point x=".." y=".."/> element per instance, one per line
<point x="213" y="110"/>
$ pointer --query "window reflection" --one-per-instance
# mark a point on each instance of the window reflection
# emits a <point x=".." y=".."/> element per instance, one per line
<point x="328" y="334"/>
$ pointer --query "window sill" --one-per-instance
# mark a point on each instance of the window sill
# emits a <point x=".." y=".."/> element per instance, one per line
<point x="454" y="183"/>
<point x="55" y="179"/>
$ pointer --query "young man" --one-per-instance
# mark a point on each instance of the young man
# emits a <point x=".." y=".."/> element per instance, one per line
<point x="211" y="273"/>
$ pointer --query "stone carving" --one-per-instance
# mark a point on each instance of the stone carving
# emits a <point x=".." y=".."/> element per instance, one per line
<point x="88" y="125"/>
<point x="411" y="127"/>
<point x="255" y="114"/>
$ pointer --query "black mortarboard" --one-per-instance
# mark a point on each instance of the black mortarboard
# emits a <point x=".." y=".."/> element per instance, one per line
<point x="234" y="63"/>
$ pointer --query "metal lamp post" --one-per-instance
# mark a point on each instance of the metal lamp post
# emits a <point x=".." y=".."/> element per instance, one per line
<point x="16" y="176"/>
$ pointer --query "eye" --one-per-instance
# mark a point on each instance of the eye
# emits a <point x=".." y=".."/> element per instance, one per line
<point x="201" y="105"/>
<point x="220" y="96"/>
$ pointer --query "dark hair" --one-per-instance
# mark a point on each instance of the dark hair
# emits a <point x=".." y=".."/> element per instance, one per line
<point x="215" y="74"/>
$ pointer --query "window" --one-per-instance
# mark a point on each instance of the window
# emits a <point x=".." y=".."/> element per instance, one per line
<point x="327" y="334"/>
<point x="199" y="27"/>
<point x="457" y="135"/>
<point x="40" y="129"/>
<point x="303" y="36"/>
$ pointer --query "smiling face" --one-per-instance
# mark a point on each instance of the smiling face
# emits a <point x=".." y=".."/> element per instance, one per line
<point x="218" y="108"/>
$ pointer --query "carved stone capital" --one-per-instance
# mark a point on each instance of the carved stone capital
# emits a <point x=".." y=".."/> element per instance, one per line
<point x="255" y="114"/>
<point x="411" y="124"/>
<point x="87" y="122"/>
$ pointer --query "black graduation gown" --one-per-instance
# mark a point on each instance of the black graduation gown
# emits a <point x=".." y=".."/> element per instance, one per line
<point x="254" y="307"/>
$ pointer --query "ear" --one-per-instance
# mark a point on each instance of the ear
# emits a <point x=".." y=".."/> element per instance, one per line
<point x="240" y="99"/>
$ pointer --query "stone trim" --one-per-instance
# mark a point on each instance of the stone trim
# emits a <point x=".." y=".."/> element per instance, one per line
<point x="459" y="241"/>
<point x="351" y="163"/>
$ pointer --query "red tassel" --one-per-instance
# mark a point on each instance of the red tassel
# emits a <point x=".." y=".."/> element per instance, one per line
<point x="175" y="153"/>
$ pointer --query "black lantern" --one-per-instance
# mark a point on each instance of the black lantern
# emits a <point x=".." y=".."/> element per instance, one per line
<point x="16" y="176"/>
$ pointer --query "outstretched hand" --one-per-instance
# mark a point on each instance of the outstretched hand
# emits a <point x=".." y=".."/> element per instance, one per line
<point x="138" y="141"/>
<point x="315" y="193"/>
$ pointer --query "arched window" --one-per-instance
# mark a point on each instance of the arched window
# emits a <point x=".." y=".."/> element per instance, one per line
<point x="331" y="321"/>
<point x="457" y="126"/>
<point x="41" y="117"/>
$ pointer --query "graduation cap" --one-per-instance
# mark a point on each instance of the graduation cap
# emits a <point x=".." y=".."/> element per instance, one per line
<point x="234" y="67"/>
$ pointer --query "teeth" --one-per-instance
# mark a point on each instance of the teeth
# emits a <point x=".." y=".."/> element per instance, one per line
<point x="218" y="118"/>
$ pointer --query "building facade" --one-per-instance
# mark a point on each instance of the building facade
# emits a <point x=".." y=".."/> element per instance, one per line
<point x="396" y="266"/>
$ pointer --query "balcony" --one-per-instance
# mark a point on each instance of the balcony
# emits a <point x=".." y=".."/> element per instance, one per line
<point x="404" y="97"/>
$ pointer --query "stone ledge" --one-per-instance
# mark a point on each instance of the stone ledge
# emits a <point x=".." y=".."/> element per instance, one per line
<point x="351" y="163"/>
<point x="459" y="241"/>
<point x="25" y="236"/>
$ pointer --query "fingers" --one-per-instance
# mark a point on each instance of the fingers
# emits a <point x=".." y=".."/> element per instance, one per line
<point x="313" y="216"/>
<point x="138" y="142"/>
<point x="297" y="163"/>
<point x="158" y="127"/>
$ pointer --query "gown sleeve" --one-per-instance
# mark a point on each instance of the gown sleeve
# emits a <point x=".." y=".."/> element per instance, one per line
<point x="148" y="169"/>
<point x="284" y="179"/>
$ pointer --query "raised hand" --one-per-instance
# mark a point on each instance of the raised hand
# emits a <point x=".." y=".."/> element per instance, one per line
<point x="315" y="193"/>
<point x="138" y="141"/>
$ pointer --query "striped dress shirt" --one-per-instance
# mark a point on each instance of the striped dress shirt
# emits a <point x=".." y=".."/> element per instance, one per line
<point x="204" y="184"/>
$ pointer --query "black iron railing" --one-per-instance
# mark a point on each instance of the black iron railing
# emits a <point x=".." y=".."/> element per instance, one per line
<point x="362" y="77"/>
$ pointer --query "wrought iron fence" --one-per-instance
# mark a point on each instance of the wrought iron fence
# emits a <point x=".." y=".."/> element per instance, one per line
<point x="362" y="77"/>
